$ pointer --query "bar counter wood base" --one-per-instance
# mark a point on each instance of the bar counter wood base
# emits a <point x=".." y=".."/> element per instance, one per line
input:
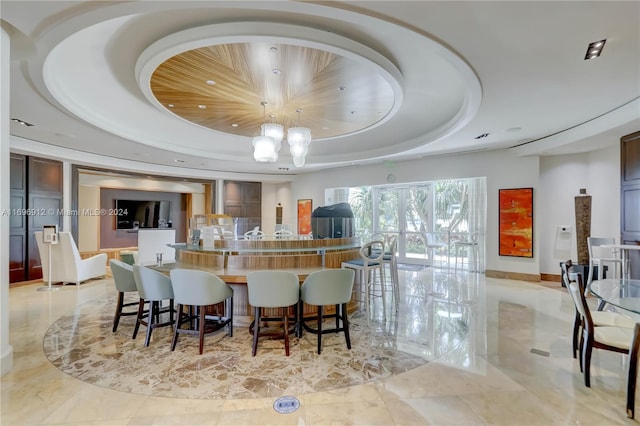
<point x="232" y="260"/>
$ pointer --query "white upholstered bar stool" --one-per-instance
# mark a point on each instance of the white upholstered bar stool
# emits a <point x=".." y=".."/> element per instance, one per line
<point x="601" y="256"/>
<point x="390" y="258"/>
<point x="471" y="250"/>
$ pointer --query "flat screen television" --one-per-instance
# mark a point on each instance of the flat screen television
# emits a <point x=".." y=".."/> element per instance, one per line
<point x="134" y="214"/>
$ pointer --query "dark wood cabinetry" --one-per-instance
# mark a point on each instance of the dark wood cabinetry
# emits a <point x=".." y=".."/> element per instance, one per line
<point x="244" y="200"/>
<point x="18" y="223"/>
<point x="630" y="197"/>
<point x="35" y="200"/>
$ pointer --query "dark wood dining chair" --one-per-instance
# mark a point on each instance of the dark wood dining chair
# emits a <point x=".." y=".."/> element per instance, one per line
<point x="617" y="339"/>
<point x="600" y="318"/>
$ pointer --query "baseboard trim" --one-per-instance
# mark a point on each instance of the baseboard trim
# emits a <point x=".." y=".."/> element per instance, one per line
<point x="551" y="277"/>
<point x="23" y="283"/>
<point x="512" y="275"/>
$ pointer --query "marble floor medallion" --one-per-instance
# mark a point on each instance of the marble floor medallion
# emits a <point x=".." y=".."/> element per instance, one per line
<point x="82" y="345"/>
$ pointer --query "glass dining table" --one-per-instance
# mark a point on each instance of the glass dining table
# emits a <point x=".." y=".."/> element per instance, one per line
<point x="619" y="292"/>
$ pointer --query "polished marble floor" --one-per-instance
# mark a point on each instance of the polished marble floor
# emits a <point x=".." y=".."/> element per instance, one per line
<point x="463" y="349"/>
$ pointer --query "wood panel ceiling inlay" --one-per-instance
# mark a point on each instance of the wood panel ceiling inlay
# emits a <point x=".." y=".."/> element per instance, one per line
<point x="337" y="95"/>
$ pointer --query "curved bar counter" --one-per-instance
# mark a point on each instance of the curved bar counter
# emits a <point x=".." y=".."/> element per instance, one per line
<point x="232" y="260"/>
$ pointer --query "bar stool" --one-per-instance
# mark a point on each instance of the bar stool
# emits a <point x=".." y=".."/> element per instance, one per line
<point x="153" y="287"/>
<point x="599" y="256"/>
<point x="200" y="289"/>
<point x="471" y="249"/>
<point x="323" y="288"/>
<point x="371" y="261"/>
<point x="272" y="289"/>
<point x="125" y="283"/>
<point x="390" y="258"/>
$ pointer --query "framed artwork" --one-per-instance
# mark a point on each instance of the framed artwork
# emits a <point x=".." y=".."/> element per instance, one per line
<point x="304" y="216"/>
<point x="515" y="213"/>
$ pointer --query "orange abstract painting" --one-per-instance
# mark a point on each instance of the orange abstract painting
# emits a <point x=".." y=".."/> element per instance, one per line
<point x="304" y="216"/>
<point x="516" y="222"/>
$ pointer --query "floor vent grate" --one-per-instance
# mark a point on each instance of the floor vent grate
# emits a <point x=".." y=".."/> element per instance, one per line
<point x="286" y="404"/>
<point x="539" y="352"/>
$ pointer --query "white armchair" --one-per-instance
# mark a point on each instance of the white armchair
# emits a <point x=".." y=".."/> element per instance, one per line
<point x="69" y="267"/>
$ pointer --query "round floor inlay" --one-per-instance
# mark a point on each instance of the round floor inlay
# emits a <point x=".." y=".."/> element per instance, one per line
<point x="82" y="344"/>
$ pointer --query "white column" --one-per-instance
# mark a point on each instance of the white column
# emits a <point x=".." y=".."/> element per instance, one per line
<point x="66" y="195"/>
<point x="219" y="196"/>
<point x="6" y="351"/>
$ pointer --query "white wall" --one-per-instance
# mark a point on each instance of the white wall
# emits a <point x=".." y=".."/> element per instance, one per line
<point x="561" y="178"/>
<point x="555" y="179"/>
<point x="502" y="169"/>
<point x="272" y="194"/>
<point x="88" y="225"/>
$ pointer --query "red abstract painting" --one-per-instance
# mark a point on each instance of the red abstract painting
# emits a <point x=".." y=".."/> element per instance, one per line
<point x="516" y="222"/>
<point x="304" y="216"/>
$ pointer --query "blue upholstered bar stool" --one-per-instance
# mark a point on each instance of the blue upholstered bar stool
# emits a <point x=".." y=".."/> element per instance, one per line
<point x="370" y="263"/>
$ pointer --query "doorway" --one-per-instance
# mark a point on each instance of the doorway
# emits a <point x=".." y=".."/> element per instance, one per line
<point x="433" y="220"/>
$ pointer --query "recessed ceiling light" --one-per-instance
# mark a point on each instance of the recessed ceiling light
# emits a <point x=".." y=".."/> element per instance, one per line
<point x="342" y="88"/>
<point x="211" y="82"/>
<point x="594" y="49"/>
<point x="484" y="135"/>
<point x="354" y="112"/>
<point x="276" y="71"/>
<point x="177" y="160"/>
<point x="234" y="125"/>
<point x="202" y="106"/>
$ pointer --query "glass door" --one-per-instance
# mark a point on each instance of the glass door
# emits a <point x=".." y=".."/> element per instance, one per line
<point x="404" y="211"/>
<point x="435" y="222"/>
<point x="418" y="220"/>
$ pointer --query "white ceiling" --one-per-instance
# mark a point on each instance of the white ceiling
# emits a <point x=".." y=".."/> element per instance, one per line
<point x="514" y="70"/>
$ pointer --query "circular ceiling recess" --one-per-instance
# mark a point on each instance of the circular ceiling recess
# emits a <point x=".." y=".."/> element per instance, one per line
<point x="223" y="87"/>
<point x="235" y="83"/>
<point x="170" y="82"/>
